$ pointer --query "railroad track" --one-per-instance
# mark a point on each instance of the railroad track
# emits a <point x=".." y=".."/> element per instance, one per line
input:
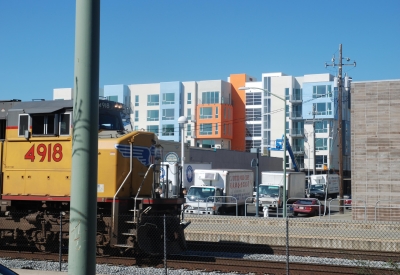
<point x="238" y="265"/>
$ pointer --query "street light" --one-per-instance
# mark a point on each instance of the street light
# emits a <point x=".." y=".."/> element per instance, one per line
<point x="284" y="142"/>
<point x="182" y="121"/>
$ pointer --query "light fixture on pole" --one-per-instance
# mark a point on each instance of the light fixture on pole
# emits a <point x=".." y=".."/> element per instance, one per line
<point x="182" y="121"/>
<point x="284" y="142"/>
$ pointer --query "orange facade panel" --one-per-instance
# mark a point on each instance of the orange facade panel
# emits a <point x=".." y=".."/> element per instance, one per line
<point x="239" y="114"/>
<point x="214" y="121"/>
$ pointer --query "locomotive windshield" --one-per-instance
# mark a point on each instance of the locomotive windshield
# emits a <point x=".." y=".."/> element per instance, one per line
<point x="110" y="115"/>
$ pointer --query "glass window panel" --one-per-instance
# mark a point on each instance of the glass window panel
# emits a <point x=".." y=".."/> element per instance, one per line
<point x="168" y="114"/>
<point x="206" y="129"/>
<point x="152" y="115"/>
<point x="153" y="100"/>
<point x="65" y="122"/>
<point x="51" y="125"/>
<point x="189" y="98"/>
<point x="23" y="124"/>
<point x="38" y="125"/>
<point x="168" y="130"/>
<point x="205" y="112"/>
<point x="153" y="129"/>
<point x="168" y="98"/>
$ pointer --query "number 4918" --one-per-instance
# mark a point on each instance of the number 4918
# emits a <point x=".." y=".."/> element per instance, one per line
<point x="50" y="152"/>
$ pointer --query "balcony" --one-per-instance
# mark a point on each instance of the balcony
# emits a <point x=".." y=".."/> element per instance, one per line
<point x="295" y="99"/>
<point x="296" y="132"/>
<point x="295" y="115"/>
<point x="298" y="150"/>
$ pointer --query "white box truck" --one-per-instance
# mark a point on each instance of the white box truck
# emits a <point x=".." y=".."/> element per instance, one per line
<point x="271" y="188"/>
<point x="327" y="183"/>
<point x="219" y="191"/>
<point x="171" y="171"/>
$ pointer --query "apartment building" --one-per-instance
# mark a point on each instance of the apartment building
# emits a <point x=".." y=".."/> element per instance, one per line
<point x="306" y="109"/>
<point x="223" y="114"/>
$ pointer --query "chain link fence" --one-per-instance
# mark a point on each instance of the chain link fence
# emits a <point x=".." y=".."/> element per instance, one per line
<point x="332" y="239"/>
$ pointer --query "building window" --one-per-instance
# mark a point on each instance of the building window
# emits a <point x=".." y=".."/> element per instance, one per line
<point x="153" y="129"/>
<point x="189" y="98"/>
<point x="168" y="130"/>
<point x="23" y="124"/>
<point x="136" y="128"/>
<point x="321" y="126"/>
<point x="136" y="100"/>
<point x="253" y="98"/>
<point x="322" y="91"/>
<point x="168" y="114"/>
<point x="321" y="161"/>
<point x="136" y="116"/>
<point x="152" y="115"/>
<point x="189" y="113"/>
<point x="252" y="144"/>
<point x="321" y="144"/>
<point x="153" y="100"/>
<point x="287" y="95"/>
<point x="216" y="128"/>
<point x="208" y="143"/>
<point x="287" y="127"/>
<point x="253" y="130"/>
<point x="323" y="109"/>
<point x="168" y="98"/>
<point x="253" y="114"/>
<point x="189" y="130"/>
<point x="210" y="97"/>
<point x="216" y="112"/>
<point x="206" y="129"/>
<point x="205" y="112"/>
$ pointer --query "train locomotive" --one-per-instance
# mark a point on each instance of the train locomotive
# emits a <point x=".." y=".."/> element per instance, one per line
<point x="36" y="155"/>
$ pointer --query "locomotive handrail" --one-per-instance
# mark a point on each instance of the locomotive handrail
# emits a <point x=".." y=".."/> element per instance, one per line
<point x="119" y="189"/>
<point x="140" y="187"/>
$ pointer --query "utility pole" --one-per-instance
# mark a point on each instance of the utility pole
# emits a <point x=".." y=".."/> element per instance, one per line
<point x="339" y="84"/>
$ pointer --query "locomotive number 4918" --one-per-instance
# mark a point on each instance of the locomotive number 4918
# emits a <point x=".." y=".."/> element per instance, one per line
<point x="49" y="152"/>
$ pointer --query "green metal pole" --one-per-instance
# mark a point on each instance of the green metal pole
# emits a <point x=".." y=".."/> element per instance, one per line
<point x="284" y="159"/>
<point x="83" y="210"/>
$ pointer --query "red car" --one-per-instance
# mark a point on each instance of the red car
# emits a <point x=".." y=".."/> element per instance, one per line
<point x="311" y="207"/>
<point x="347" y="202"/>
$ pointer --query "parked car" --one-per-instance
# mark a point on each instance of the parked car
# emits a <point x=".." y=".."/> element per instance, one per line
<point x="347" y="202"/>
<point x="308" y="206"/>
<point x="316" y="192"/>
<point x="6" y="271"/>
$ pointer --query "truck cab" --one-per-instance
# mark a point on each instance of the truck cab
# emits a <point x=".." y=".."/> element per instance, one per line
<point x="203" y="200"/>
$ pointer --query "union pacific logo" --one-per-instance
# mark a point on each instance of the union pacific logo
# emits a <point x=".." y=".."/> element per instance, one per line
<point x="143" y="154"/>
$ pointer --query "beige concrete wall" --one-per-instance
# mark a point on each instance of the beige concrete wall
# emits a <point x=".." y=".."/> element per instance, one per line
<point x="375" y="148"/>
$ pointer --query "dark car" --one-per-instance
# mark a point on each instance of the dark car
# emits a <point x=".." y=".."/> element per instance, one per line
<point x="311" y="207"/>
<point x="316" y="192"/>
<point x="347" y="202"/>
<point x="6" y="271"/>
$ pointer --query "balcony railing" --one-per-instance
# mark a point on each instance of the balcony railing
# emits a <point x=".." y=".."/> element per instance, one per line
<point x="295" y="99"/>
<point x="298" y="150"/>
<point x="296" y="115"/>
<point x="296" y="132"/>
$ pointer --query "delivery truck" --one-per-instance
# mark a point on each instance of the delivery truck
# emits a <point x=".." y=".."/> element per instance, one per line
<point x="271" y="188"/>
<point x="327" y="184"/>
<point x="170" y="173"/>
<point x="219" y="191"/>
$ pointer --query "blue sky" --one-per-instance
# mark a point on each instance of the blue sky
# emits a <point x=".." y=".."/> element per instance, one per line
<point x="182" y="40"/>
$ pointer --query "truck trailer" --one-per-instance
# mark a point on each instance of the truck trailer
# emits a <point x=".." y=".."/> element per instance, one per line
<point x="219" y="191"/>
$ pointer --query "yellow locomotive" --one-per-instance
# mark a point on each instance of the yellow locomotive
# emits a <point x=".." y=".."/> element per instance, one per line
<point x="36" y="178"/>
